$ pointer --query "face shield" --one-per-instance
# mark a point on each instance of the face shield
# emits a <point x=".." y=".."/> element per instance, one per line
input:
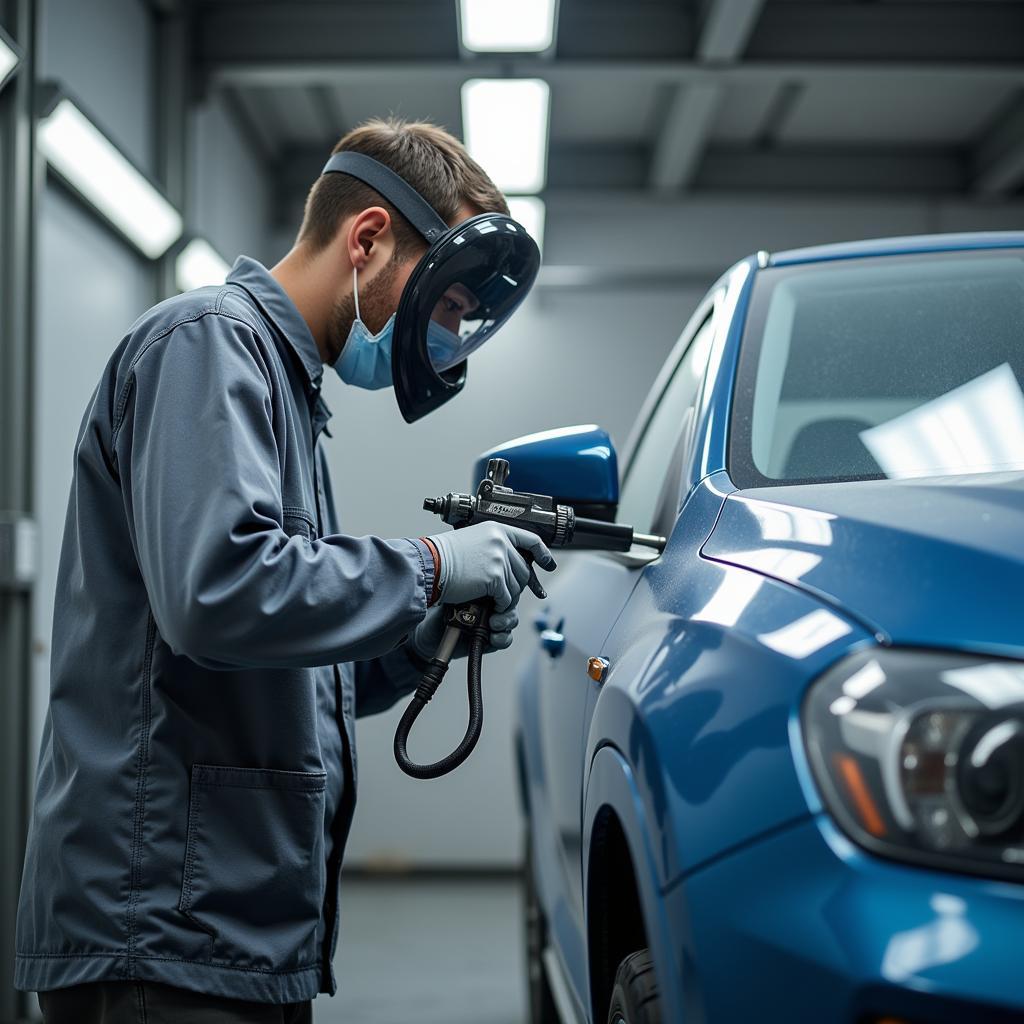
<point x="471" y="280"/>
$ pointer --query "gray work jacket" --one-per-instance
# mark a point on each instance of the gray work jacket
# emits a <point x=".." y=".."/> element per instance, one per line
<point x="196" y="777"/>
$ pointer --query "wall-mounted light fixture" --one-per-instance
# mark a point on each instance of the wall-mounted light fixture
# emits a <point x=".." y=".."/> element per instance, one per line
<point x="86" y="160"/>
<point x="10" y="57"/>
<point x="199" y="264"/>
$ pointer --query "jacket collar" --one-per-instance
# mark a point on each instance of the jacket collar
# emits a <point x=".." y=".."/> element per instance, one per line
<point x="273" y="300"/>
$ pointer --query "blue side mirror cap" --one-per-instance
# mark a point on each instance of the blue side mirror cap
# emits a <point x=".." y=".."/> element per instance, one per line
<point x="575" y="465"/>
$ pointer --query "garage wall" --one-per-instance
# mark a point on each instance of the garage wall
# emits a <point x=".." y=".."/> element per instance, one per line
<point x="614" y="337"/>
<point x="102" y="50"/>
<point x="229" y="198"/>
<point x="91" y="285"/>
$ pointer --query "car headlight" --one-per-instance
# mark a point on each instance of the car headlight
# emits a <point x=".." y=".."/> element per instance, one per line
<point x="920" y="755"/>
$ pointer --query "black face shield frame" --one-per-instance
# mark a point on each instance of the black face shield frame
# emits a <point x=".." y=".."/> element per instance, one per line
<point x="489" y="262"/>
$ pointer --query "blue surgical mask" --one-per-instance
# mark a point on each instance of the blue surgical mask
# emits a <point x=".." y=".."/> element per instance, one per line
<point x="443" y="346"/>
<point x="365" y="361"/>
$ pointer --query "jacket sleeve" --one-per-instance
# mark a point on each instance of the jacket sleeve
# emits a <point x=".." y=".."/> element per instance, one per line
<point x="201" y="480"/>
<point x="381" y="682"/>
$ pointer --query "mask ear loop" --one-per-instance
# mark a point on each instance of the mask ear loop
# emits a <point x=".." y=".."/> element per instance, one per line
<point x="355" y="291"/>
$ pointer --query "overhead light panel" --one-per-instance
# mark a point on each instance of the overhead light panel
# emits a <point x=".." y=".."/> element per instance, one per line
<point x="529" y="211"/>
<point x="198" y="265"/>
<point x="9" y="58"/>
<point x="509" y="26"/>
<point x="84" y="157"/>
<point x="505" y="124"/>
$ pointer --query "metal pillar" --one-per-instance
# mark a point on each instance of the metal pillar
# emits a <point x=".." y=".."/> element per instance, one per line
<point x="19" y="187"/>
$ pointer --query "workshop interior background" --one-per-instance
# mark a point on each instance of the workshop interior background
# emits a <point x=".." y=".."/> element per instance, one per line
<point x="683" y="135"/>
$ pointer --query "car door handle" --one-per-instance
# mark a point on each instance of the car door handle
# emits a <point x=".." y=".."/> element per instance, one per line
<point x="553" y="640"/>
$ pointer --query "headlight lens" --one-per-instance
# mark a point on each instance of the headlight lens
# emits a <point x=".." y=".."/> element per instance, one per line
<point x="920" y="755"/>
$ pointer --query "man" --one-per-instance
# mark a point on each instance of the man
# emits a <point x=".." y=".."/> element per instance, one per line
<point x="214" y="633"/>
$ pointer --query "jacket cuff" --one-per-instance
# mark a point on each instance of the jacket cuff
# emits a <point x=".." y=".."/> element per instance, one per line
<point x="428" y="561"/>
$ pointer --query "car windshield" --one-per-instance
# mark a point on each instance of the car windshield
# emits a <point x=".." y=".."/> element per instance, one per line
<point x="882" y="367"/>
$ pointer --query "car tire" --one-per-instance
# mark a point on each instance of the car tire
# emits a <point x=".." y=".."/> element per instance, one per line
<point x="540" y="1002"/>
<point x="635" y="998"/>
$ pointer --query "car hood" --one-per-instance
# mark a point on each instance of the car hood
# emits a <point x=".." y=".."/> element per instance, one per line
<point x="936" y="562"/>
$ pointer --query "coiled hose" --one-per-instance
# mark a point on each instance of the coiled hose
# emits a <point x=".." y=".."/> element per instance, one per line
<point x="429" y="682"/>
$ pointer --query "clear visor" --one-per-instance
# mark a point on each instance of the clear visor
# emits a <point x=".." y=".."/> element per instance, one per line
<point x="457" y="327"/>
<point x="459" y="294"/>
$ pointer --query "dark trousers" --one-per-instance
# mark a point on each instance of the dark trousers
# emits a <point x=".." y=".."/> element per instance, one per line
<point x="149" y="1002"/>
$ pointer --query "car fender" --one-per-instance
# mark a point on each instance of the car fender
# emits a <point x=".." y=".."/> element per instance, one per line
<point x="611" y="784"/>
<point x="703" y="711"/>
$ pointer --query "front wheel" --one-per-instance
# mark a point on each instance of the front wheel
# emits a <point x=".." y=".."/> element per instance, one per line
<point x="635" y="997"/>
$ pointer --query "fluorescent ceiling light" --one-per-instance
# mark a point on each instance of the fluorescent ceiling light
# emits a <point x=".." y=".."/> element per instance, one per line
<point x="529" y="211"/>
<point x="8" y="59"/>
<point x="505" y="123"/>
<point x="520" y="26"/>
<point x="198" y="265"/>
<point x="104" y="176"/>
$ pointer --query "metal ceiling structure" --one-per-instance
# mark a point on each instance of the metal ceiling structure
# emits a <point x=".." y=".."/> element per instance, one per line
<point x="661" y="96"/>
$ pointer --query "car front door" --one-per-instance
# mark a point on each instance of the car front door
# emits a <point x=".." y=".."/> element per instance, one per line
<point x="586" y="597"/>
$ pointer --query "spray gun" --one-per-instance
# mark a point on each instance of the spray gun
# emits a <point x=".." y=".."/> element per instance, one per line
<point x="558" y="526"/>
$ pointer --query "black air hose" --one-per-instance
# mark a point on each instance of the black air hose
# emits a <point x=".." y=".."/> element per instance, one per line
<point x="429" y="682"/>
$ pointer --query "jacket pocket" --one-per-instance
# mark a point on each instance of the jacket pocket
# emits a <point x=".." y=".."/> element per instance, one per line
<point x="254" y="870"/>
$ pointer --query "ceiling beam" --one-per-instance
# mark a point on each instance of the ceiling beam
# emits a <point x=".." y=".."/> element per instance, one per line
<point x="355" y="30"/>
<point x="231" y="32"/>
<point x="988" y="31"/>
<point x="684" y="135"/>
<point x="849" y="170"/>
<point x="999" y="156"/>
<point x="726" y="29"/>
<point x="621" y="170"/>
<point x="693" y="106"/>
<point x="761" y="73"/>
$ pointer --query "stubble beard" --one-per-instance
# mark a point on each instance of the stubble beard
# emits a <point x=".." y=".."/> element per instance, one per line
<point x="375" y="306"/>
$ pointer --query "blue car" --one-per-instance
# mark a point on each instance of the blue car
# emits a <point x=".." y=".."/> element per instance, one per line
<point x="775" y="771"/>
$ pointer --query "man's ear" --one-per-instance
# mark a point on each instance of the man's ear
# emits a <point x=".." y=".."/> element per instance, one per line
<point x="369" y="238"/>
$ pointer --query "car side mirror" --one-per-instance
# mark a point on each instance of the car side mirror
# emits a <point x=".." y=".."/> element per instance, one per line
<point x="577" y="466"/>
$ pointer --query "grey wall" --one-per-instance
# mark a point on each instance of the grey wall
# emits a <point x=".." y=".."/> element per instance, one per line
<point x="89" y="284"/>
<point x="102" y="50"/>
<point x="229" y="199"/>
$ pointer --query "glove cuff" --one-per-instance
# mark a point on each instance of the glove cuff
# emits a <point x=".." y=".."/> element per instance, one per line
<point x="435" y="591"/>
<point x="445" y="560"/>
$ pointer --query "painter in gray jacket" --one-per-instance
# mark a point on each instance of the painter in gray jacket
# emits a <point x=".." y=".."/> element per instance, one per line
<point x="214" y="633"/>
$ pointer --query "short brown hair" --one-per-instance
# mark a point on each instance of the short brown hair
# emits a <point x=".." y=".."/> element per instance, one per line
<point x="430" y="159"/>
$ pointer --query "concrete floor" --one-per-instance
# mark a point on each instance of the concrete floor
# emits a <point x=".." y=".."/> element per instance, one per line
<point x="429" y="951"/>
